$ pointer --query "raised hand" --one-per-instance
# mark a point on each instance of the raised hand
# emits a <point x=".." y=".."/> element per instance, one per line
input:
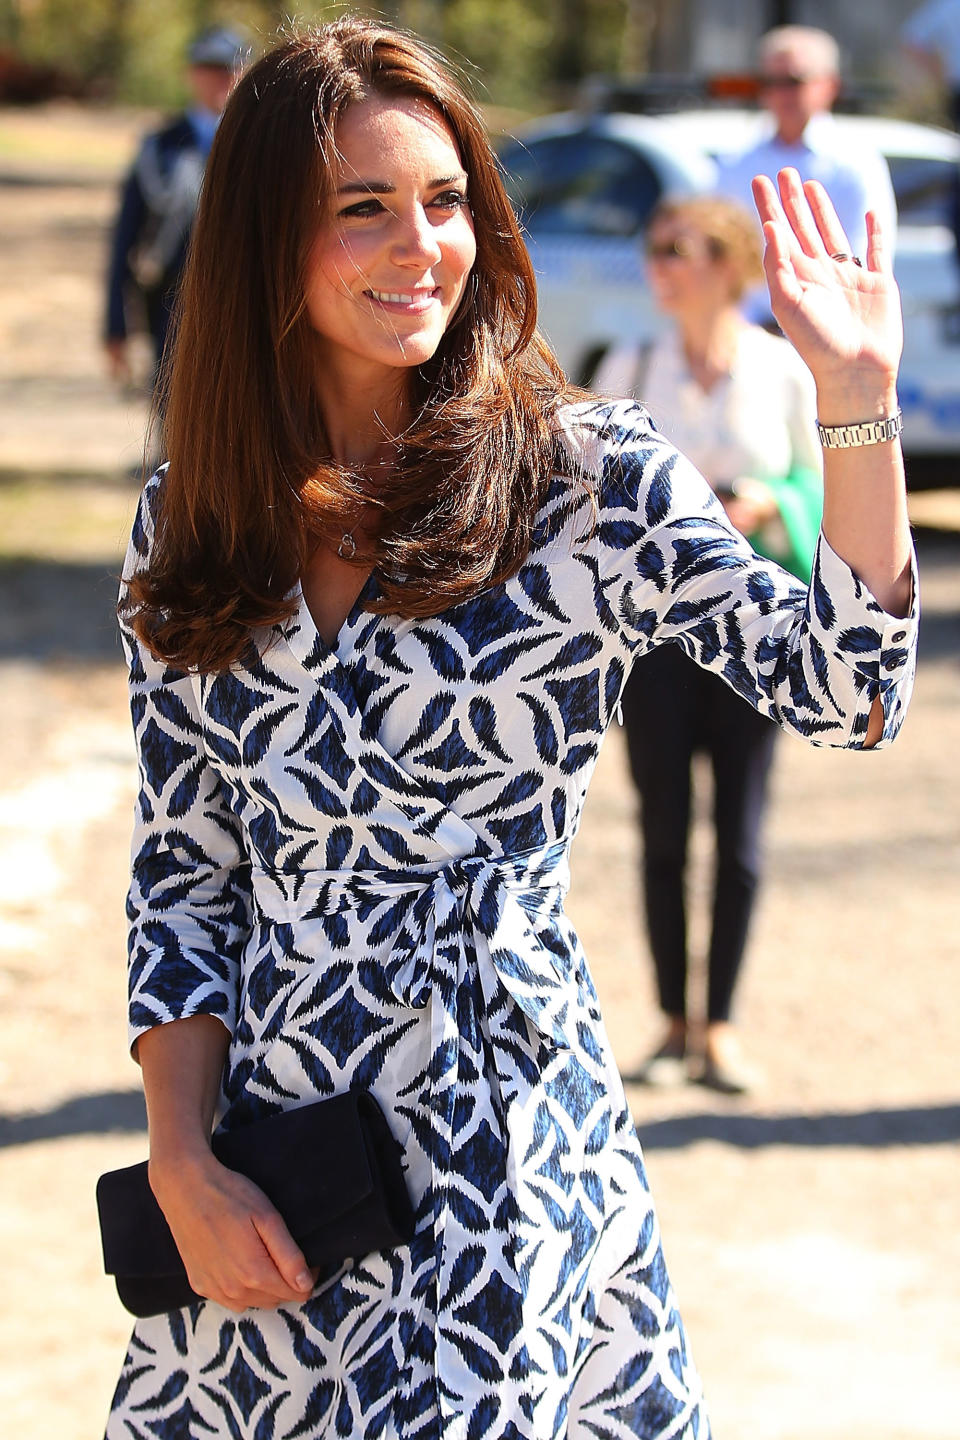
<point x="844" y="319"/>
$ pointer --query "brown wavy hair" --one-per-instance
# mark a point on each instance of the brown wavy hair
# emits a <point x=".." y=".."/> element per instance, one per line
<point x="251" y="486"/>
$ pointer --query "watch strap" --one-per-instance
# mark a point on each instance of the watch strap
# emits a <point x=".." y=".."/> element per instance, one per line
<point x="868" y="432"/>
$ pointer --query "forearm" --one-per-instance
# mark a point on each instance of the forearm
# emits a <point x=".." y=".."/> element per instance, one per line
<point x="235" y="1245"/>
<point x="182" y="1063"/>
<point x="865" y="515"/>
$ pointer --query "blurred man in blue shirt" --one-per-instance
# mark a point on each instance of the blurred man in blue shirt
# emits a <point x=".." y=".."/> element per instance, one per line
<point x="799" y="79"/>
<point x="159" y="198"/>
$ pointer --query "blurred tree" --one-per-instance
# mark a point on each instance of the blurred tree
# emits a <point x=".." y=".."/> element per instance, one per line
<point x="110" y="53"/>
<point x="568" y="42"/>
<point x="502" y="45"/>
<point x="525" y="53"/>
<point x="10" y="23"/>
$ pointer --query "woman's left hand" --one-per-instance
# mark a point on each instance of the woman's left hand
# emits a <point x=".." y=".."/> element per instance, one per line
<point x="843" y="319"/>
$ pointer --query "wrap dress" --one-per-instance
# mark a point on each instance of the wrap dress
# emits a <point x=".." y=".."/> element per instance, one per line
<point x="356" y="856"/>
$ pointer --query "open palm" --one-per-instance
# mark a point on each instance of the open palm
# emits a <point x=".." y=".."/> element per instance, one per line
<point x="838" y="315"/>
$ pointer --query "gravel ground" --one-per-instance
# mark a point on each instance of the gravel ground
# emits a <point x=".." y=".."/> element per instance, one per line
<point x="813" y="1232"/>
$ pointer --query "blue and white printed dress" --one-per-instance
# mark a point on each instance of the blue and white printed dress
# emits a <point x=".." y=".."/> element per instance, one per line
<point x="356" y="858"/>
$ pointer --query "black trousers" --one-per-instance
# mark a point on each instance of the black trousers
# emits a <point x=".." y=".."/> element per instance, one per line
<point x="671" y="710"/>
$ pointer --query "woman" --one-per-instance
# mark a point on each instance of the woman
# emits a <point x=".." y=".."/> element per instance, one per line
<point x="379" y="610"/>
<point x="740" y="404"/>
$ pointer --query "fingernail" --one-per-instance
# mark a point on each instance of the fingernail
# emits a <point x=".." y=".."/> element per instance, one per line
<point x="304" y="1280"/>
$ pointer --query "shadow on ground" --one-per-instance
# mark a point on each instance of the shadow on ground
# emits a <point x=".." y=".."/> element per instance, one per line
<point x="909" y="1125"/>
<point x="109" y="1112"/>
<point x="123" y="1112"/>
<point x="58" y="611"/>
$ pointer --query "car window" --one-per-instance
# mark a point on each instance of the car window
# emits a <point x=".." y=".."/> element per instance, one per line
<point x="579" y="185"/>
<point x="924" y="189"/>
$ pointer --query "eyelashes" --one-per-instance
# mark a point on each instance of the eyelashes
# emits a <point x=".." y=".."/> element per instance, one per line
<point x="448" y="200"/>
<point x="451" y="200"/>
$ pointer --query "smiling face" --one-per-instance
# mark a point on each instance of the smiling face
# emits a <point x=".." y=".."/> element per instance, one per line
<point x="683" y="271"/>
<point x="392" y="258"/>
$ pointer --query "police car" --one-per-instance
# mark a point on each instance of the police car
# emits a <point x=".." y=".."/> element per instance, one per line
<point x="584" y="186"/>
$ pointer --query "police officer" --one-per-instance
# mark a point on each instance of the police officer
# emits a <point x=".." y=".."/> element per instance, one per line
<point x="159" y="198"/>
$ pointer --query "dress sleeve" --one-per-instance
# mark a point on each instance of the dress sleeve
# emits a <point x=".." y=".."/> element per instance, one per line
<point x="671" y="568"/>
<point x="188" y="905"/>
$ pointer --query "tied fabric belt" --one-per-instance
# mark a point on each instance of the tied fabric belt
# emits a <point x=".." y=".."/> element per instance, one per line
<point x="503" y="905"/>
<point x="493" y="918"/>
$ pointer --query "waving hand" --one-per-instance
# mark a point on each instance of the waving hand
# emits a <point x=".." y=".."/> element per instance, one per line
<point x="843" y="318"/>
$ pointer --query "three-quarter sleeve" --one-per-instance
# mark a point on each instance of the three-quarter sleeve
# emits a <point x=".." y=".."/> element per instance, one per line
<point x="674" y="570"/>
<point x="188" y="905"/>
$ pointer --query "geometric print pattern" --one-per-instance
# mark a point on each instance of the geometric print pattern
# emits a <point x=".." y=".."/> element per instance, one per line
<point x="355" y="857"/>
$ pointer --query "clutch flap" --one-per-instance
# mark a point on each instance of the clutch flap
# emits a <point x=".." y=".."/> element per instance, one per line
<point x="311" y="1162"/>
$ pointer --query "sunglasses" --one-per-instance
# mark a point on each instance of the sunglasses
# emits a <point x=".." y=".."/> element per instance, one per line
<point x="681" y="248"/>
<point x="783" y="82"/>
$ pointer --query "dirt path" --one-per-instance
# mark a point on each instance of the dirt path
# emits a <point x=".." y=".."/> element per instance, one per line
<point x="813" y="1233"/>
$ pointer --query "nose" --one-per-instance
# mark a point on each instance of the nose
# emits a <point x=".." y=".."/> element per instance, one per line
<point x="415" y="240"/>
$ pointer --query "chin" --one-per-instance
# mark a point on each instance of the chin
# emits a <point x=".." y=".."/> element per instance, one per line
<point x="415" y="350"/>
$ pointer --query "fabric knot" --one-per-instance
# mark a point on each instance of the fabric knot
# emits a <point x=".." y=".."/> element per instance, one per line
<point x="462" y="874"/>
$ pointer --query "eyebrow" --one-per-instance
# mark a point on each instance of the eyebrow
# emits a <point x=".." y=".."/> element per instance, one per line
<point x="383" y="187"/>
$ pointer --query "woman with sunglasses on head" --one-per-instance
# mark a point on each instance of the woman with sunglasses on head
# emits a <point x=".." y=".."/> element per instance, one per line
<point x="739" y="403"/>
<point x="379" y="608"/>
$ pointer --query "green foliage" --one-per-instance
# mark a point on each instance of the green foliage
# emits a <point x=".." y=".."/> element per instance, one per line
<point x="502" y="45"/>
<point x="521" y="53"/>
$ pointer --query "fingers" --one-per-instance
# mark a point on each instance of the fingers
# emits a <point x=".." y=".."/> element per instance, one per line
<point x="242" y="1273"/>
<point x="803" y="222"/>
<point x="784" y="253"/>
<point x="779" y="256"/>
<point x="878" y="256"/>
<point x="765" y="198"/>
<point x="771" y="212"/>
<point x="830" y="231"/>
<point x="804" y="210"/>
<point x="235" y="1245"/>
<point x="286" y="1255"/>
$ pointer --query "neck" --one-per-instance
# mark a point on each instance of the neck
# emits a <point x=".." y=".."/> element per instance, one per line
<point x="792" y="133"/>
<point x="709" y="338"/>
<point x="362" y="421"/>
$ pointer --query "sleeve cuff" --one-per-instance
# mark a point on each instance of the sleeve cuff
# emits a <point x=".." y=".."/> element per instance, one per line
<point x="877" y="648"/>
<point x="190" y="992"/>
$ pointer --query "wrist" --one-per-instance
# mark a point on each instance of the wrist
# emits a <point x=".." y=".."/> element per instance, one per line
<point x="845" y="404"/>
<point x="177" y="1162"/>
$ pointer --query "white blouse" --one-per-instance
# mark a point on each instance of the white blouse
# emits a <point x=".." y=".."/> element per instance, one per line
<point x="757" y="421"/>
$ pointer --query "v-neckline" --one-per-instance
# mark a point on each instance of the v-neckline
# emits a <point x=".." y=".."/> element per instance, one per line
<point x="301" y="632"/>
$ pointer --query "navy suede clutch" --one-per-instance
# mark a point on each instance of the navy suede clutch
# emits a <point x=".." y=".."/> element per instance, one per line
<point x="332" y="1169"/>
